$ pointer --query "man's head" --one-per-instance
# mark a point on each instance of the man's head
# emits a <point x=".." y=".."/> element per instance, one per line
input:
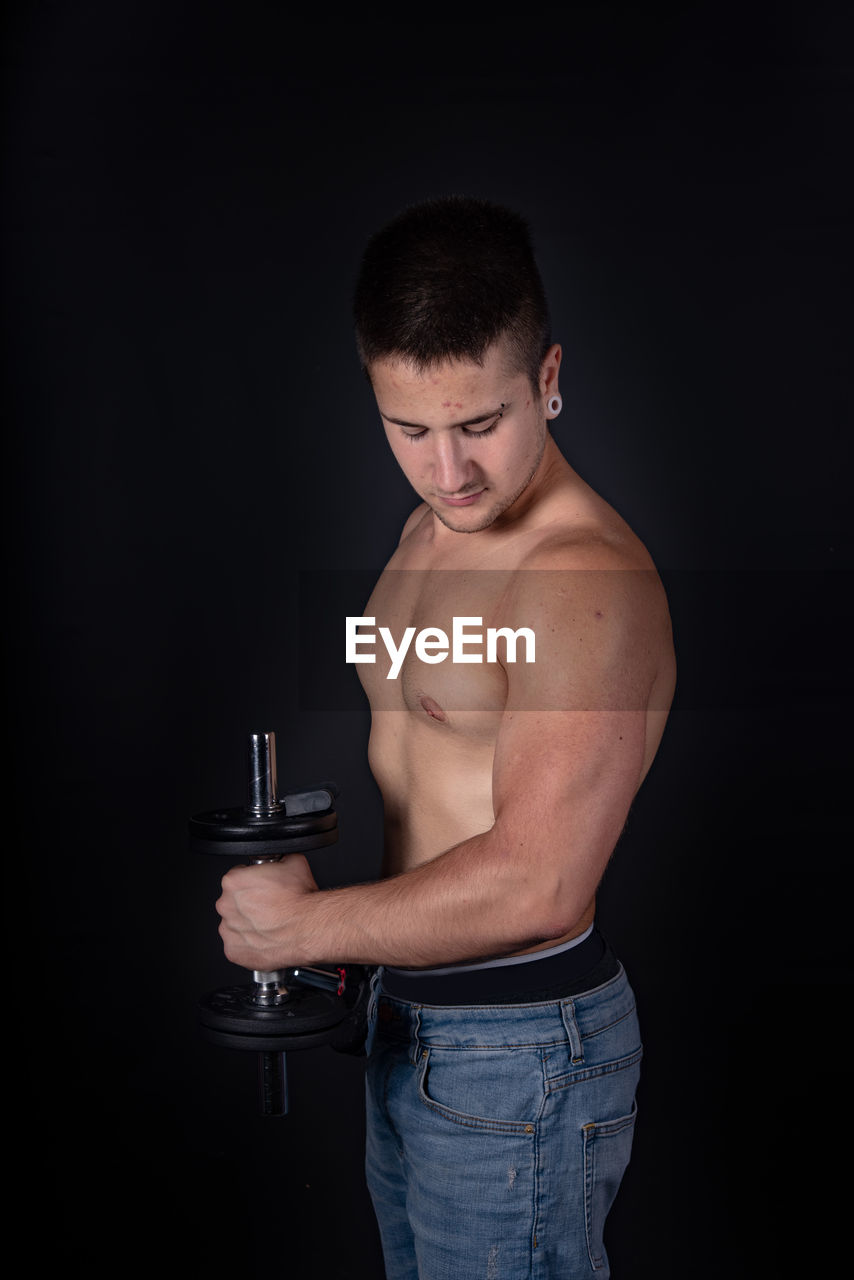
<point x="453" y="331"/>
<point x="469" y="437"/>
<point x="447" y="280"/>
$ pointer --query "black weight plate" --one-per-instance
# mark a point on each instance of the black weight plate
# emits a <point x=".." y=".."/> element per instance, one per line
<point x="236" y="849"/>
<point x="238" y="824"/>
<point x="306" y="1011"/>
<point x="271" y="1043"/>
<point x="234" y="832"/>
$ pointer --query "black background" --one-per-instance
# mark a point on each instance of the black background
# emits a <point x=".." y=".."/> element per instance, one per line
<point x="187" y="193"/>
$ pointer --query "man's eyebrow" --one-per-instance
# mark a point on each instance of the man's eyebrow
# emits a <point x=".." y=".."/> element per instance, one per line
<point x="469" y="422"/>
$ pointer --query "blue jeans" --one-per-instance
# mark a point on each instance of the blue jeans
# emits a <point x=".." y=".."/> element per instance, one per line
<point x="498" y="1134"/>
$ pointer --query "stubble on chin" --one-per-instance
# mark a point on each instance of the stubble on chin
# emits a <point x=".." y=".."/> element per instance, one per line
<point x="485" y="520"/>
<point x="483" y="523"/>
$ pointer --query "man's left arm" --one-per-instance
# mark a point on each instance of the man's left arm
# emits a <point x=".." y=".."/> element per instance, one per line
<point x="568" y="760"/>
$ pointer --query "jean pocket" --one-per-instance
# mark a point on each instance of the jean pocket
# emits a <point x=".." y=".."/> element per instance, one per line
<point x="607" y="1147"/>
<point x="483" y="1089"/>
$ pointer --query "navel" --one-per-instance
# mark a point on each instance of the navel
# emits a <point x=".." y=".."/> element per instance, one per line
<point x="432" y="708"/>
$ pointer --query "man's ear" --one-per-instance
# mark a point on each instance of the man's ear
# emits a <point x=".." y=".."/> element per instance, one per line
<point x="549" y="371"/>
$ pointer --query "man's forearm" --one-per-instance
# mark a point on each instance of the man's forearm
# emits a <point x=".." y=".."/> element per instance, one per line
<point x="474" y="901"/>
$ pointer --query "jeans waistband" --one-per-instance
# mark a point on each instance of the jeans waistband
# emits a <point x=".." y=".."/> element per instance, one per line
<point x="506" y="1025"/>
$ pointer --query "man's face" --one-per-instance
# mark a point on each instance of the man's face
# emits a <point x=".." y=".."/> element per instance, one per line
<point x="469" y="438"/>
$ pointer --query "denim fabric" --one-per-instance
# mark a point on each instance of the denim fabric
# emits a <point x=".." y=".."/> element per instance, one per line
<point x="498" y="1135"/>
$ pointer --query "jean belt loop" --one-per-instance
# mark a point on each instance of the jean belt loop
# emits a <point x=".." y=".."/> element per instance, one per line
<point x="567" y="1013"/>
<point x="416" y="1027"/>
<point x="373" y="1000"/>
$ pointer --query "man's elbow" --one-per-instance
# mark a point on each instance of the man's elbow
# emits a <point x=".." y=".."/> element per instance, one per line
<point x="548" y="898"/>
<point x="550" y="908"/>
<point x="562" y="921"/>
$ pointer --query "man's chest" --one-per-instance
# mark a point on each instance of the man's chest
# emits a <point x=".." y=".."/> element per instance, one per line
<point x="437" y="641"/>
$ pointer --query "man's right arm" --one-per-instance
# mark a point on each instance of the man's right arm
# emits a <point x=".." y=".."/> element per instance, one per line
<point x="571" y="752"/>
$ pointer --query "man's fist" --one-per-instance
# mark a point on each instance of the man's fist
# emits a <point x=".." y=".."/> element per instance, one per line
<point x="263" y="909"/>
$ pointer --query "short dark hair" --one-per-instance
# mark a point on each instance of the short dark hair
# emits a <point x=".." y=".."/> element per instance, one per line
<point x="445" y="280"/>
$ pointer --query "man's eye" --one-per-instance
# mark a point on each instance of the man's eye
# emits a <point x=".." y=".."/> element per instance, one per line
<point x="487" y="431"/>
<point x="467" y="431"/>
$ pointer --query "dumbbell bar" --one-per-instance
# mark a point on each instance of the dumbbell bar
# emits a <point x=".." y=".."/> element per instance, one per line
<point x="283" y="1009"/>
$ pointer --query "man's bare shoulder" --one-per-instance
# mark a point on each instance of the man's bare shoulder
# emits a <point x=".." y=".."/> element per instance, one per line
<point x="568" y="573"/>
<point x="586" y="562"/>
<point x="571" y="526"/>
<point x="584" y="535"/>
<point x="586" y="549"/>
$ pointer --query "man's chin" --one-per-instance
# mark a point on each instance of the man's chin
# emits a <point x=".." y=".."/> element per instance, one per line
<point x="474" y="522"/>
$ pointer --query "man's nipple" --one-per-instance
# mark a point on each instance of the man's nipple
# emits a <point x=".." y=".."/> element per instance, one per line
<point x="432" y="708"/>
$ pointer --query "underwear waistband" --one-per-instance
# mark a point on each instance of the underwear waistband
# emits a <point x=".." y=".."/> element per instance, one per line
<point x="529" y="957"/>
<point x="551" y="975"/>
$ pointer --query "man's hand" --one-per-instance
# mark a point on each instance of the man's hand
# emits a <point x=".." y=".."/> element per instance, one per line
<point x="261" y="907"/>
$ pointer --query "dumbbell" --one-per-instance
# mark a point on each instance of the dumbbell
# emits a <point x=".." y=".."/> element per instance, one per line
<point x="282" y="1009"/>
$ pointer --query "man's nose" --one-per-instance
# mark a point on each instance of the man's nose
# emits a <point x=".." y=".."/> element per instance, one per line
<point x="451" y="464"/>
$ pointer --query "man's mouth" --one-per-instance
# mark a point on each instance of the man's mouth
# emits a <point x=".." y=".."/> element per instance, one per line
<point x="465" y="501"/>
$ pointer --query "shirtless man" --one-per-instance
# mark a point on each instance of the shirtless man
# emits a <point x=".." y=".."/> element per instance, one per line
<point x="504" y="1045"/>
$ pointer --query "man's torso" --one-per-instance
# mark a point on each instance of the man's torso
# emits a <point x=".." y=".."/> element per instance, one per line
<point x="435" y="726"/>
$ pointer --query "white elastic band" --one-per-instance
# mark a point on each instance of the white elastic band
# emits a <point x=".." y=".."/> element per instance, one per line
<point x="492" y="964"/>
